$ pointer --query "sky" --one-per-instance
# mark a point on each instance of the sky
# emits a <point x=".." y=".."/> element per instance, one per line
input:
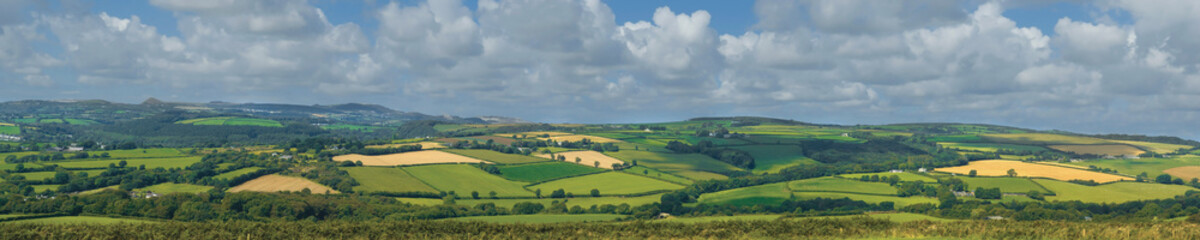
<point x="1107" y="66"/>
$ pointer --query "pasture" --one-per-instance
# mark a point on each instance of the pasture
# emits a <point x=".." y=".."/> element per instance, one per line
<point x="832" y="184"/>
<point x="609" y="183"/>
<point x="1023" y="169"/>
<point x="407" y="158"/>
<point x="532" y="134"/>
<point x="81" y="220"/>
<point x="538" y="172"/>
<point x="655" y="173"/>
<point x="386" y="179"/>
<point x="142" y="153"/>
<point x="237" y="173"/>
<point x="462" y="179"/>
<point x="151" y="163"/>
<point x="693" y="166"/>
<point x="773" y="158"/>
<point x="1186" y="172"/>
<point x="904" y="176"/>
<point x="348" y="127"/>
<point x="1111" y="193"/>
<point x="1099" y="149"/>
<point x="231" y="121"/>
<point x="583" y="202"/>
<point x="577" y="138"/>
<point x="1056" y="139"/>
<point x="1151" y="166"/>
<point x="588" y="158"/>
<point x="989" y="147"/>
<point x="421" y="201"/>
<point x="541" y="218"/>
<point x="705" y="219"/>
<point x="494" y="156"/>
<point x="899" y="201"/>
<point x="168" y="188"/>
<point x="9" y="129"/>
<point x="280" y="183"/>
<point x="1006" y="184"/>
<point x="1155" y="147"/>
<point x="897" y="217"/>
<point x="767" y="194"/>
<point x="424" y="145"/>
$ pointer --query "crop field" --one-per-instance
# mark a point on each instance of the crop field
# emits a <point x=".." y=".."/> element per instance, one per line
<point x="237" y="173"/>
<point x="537" y="172"/>
<point x="989" y="147"/>
<point x="9" y="129"/>
<point x="583" y="202"/>
<point x="608" y="183"/>
<point x="70" y="121"/>
<point x="576" y="138"/>
<point x="532" y="134"/>
<point x="462" y="179"/>
<point x="168" y="188"/>
<point x="899" y="201"/>
<point x="904" y="176"/>
<point x="407" y="158"/>
<point x="1155" y="147"/>
<point x="589" y="158"/>
<point x="231" y="121"/>
<point x="955" y="138"/>
<point x="496" y="157"/>
<point x="280" y="183"/>
<point x="142" y="153"/>
<point x="1006" y="184"/>
<point x="1001" y="167"/>
<point x="693" y="166"/>
<point x="832" y="184"/>
<point x="705" y="219"/>
<point x="349" y="127"/>
<point x="773" y="158"/>
<point x="386" y="179"/>
<point x="616" y="135"/>
<point x="151" y="163"/>
<point x="1111" y="193"/>
<point x="1187" y="172"/>
<point x="542" y="218"/>
<point x="41" y="188"/>
<point x="422" y="201"/>
<point x="1151" y="166"/>
<point x="1055" y="139"/>
<point x="424" y="145"/>
<point x="494" y="139"/>
<point x="656" y="174"/>
<point x="81" y="220"/>
<point x="1101" y="149"/>
<point x="767" y="194"/>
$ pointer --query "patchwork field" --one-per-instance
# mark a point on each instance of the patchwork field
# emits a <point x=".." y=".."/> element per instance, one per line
<point x="349" y="127"/>
<point x="151" y="163"/>
<point x="1101" y="149"/>
<point x="142" y="153"/>
<point x="899" y="201"/>
<point x="424" y="145"/>
<point x="279" y="183"/>
<point x="1001" y="167"/>
<point x="1006" y="184"/>
<point x="542" y="218"/>
<point x="533" y="134"/>
<point x="9" y="129"/>
<point x="1055" y="139"/>
<point x="421" y="201"/>
<point x="706" y="219"/>
<point x="1155" y="147"/>
<point x="537" y="172"/>
<point x="589" y="158"/>
<point x="237" y="173"/>
<point x="1151" y="166"/>
<point x="832" y="184"/>
<point x="773" y="158"/>
<point x="656" y="174"/>
<point x="904" y="176"/>
<point x="1187" y="173"/>
<point x="989" y="147"/>
<point x="408" y="158"/>
<point x="168" y="188"/>
<point x="608" y="183"/>
<point x="231" y="121"/>
<point x="494" y="156"/>
<point x="693" y="166"/>
<point x="576" y="138"/>
<point x="386" y="179"/>
<point x="81" y="220"/>
<point x="583" y="202"/>
<point x="1111" y="193"/>
<point x="462" y="179"/>
<point x="767" y="194"/>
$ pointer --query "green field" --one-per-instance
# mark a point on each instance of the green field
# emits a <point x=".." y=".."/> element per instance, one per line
<point x="462" y="179"/>
<point x="9" y="129"/>
<point x="421" y="201"/>
<point x="538" y="172"/>
<point x="955" y="138"/>
<point x="773" y="158"/>
<point x="142" y="153"/>
<point x="768" y="194"/>
<point x="81" y="220"/>
<point x="899" y="217"/>
<point x="542" y="218"/>
<point x="151" y="163"/>
<point x="349" y="127"/>
<point x="37" y="175"/>
<point x="608" y="183"/>
<point x="168" y="188"/>
<point x="899" y="201"/>
<point x="448" y="127"/>
<point x="42" y="188"/>
<point x="768" y="217"/>
<point x="387" y="179"/>
<point x="832" y="184"/>
<point x="1151" y="166"/>
<point x="990" y="147"/>
<point x="1006" y="184"/>
<point x="583" y="202"/>
<point x="904" y="176"/>
<point x="693" y="166"/>
<point x="237" y="173"/>
<point x="656" y="174"/>
<point x="1111" y="193"/>
<point x="71" y="121"/>
<point x="231" y="121"/>
<point x="496" y="157"/>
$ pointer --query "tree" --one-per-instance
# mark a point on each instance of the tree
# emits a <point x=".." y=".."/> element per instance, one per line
<point x="595" y="192"/>
<point x="121" y="164"/>
<point x="597" y="164"/>
<point x="560" y="193"/>
<point x="538" y="193"/>
<point x="972" y="173"/>
<point x="475" y="194"/>
<point x="492" y="195"/>
<point x="1164" y="179"/>
<point x="1012" y="172"/>
<point x="527" y="208"/>
<point x="578" y="160"/>
<point x="1143" y="177"/>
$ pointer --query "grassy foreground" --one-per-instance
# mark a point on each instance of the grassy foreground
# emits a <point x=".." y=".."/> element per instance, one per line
<point x="855" y="228"/>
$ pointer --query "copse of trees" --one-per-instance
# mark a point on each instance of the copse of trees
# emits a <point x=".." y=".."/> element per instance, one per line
<point x="732" y="156"/>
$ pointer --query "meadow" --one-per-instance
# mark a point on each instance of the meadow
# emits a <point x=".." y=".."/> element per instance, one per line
<point x="237" y="173"/>
<point x="767" y="194"/>
<point x="773" y="158"/>
<point x="583" y="202"/>
<point x="588" y="158"/>
<point x="76" y="220"/>
<point x="898" y="217"/>
<point x="142" y="153"/>
<point x="494" y="156"/>
<point x="424" y="145"/>
<point x="989" y="147"/>
<point x="899" y="201"/>
<point x="1151" y="166"/>
<point x="541" y="218"/>
<point x="407" y="158"/>
<point x="693" y="166"/>
<point x="1099" y="149"/>
<point x="231" y="121"/>
<point x="1023" y="169"/>
<point x="168" y="188"/>
<point x="1006" y="184"/>
<point x="1111" y="193"/>
<point x="463" y="179"/>
<point x="609" y="183"/>
<point x="151" y="163"/>
<point x="386" y="179"/>
<point x="706" y="219"/>
<point x="833" y="184"/>
<point x="576" y="138"/>
<point x="1056" y="139"/>
<point x="656" y="174"/>
<point x="538" y="172"/>
<point x="9" y="129"/>
<point x="280" y="183"/>
<point x="904" y="176"/>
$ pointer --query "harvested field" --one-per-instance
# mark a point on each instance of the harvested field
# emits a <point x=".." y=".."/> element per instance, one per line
<point x="279" y="183"/>
<point x="408" y="158"/>
<point x="1186" y="173"/>
<point x="1102" y="149"/>
<point x="576" y="138"/>
<point x="495" y="139"/>
<point x="1001" y="167"/>
<point x="424" y="145"/>
<point x="589" y="158"/>
<point x="533" y="134"/>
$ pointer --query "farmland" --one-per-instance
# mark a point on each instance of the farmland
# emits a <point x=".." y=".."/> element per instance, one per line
<point x="237" y="173"/>
<point x="1186" y="172"/>
<point x="463" y="179"/>
<point x="381" y="179"/>
<point x="1152" y="166"/>
<point x="1006" y="184"/>
<point x="538" y="172"/>
<point x="587" y="158"/>
<point x="75" y="220"/>
<point x="832" y="184"/>
<point x="609" y="183"/>
<point x="656" y="174"/>
<point x="407" y="158"/>
<point x="583" y="202"/>
<point x="904" y="176"/>
<point x="766" y="217"/>
<point x="151" y="163"/>
<point x="496" y="157"/>
<point x="693" y="166"/>
<point x="1056" y="139"/>
<point x="9" y="129"/>
<point x="989" y="147"/>
<point x="1100" y="149"/>
<point x="349" y="127"/>
<point x="542" y="218"/>
<point x="280" y="183"/>
<point x="576" y="138"/>
<point x="1001" y="167"/>
<point x="899" y="201"/>
<point x="1111" y="193"/>
<point x="773" y="158"/>
<point x="424" y="145"/>
<point x="168" y="188"/>
<point x="231" y="121"/>
<point x="768" y="194"/>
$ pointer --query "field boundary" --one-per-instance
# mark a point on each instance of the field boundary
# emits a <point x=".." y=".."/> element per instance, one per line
<point x="560" y="178"/>
<point x="422" y="180"/>
<point x="667" y="173"/>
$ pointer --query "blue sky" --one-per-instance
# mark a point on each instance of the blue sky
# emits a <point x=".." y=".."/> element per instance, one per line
<point x="1091" y="66"/>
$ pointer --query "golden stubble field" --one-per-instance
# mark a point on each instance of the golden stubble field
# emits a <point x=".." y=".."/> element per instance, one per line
<point x="408" y="158"/>
<point x="280" y="183"/>
<point x="588" y="158"/>
<point x="1001" y="167"/>
<point x="1100" y="149"/>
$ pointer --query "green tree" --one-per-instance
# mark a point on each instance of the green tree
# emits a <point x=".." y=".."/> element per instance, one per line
<point x="560" y="193"/>
<point x="475" y="194"/>
<point x="972" y="173"/>
<point x="595" y="192"/>
<point x="527" y="208"/>
<point x="492" y="195"/>
<point x="1163" y="178"/>
<point x="1012" y="172"/>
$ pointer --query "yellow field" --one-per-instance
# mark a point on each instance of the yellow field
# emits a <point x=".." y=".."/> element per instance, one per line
<point x="6" y="124"/>
<point x="279" y="183"/>
<point x="1104" y="149"/>
<point x="1001" y="167"/>
<point x="1156" y="147"/>
<point x="1046" y="138"/>
<point x="424" y="145"/>
<point x="408" y="158"/>
<point x="576" y="138"/>
<point x="589" y="158"/>
<point x="532" y="134"/>
<point x="1186" y="173"/>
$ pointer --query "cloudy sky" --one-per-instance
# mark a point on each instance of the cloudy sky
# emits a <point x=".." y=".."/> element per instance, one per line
<point x="1122" y="66"/>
